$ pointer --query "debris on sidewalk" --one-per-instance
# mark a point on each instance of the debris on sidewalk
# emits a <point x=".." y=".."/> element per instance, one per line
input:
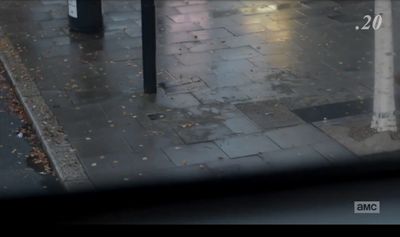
<point x="361" y="133"/>
<point x="37" y="157"/>
<point x="188" y="125"/>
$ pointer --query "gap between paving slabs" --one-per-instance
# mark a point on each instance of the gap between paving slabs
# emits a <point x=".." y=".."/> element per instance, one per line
<point x="62" y="156"/>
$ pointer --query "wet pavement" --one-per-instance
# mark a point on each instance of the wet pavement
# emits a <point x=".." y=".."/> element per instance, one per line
<point x="239" y="81"/>
<point x="19" y="176"/>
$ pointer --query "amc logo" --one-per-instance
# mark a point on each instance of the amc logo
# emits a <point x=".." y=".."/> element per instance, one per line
<point x="367" y="207"/>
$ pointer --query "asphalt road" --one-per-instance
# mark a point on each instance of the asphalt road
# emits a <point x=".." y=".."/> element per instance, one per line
<point x="18" y="176"/>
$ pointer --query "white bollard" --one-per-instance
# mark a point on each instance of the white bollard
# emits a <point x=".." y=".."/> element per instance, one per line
<point x="384" y="117"/>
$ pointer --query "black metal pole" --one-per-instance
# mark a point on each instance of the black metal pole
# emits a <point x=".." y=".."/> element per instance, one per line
<point x="149" y="46"/>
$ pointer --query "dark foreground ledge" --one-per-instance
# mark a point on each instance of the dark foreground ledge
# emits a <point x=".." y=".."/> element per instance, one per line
<point x="84" y="206"/>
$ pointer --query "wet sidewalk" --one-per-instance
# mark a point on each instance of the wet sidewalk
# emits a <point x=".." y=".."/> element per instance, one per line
<point x="244" y="86"/>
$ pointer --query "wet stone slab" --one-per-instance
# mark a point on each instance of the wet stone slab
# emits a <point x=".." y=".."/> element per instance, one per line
<point x="297" y="136"/>
<point x="178" y="174"/>
<point x="236" y="53"/>
<point x="182" y="100"/>
<point x="121" y="166"/>
<point x="239" y="166"/>
<point x="147" y="143"/>
<point x="231" y="94"/>
<point x="335" y="153"/>
<point x="203" y="132"/>
<point x="295" y="159"/>
<point x="242" y="125"/>
<point x="79" y="113"/>
<point x="183" y="86"/>
<point x="195" y="154"/>
<point x="269" y="114"/>
<point x="333" y="111"/>
<point x="226" y="80"/>
<point x="94" y="147"/>
<point x="355" y="134"/>
<point x="248" y="29"/>
<point x="246" y="145"/>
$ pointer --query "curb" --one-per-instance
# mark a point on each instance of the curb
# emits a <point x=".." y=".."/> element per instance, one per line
<point x="60" y="152"/>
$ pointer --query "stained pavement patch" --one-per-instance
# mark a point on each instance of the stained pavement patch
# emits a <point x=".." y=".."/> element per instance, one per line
<point x="195" y="154"/>
<point x="269" y="114"/>
<point x="335" y="110"/>
<point x="241" y="125"/>
<point x="203" y="132"/>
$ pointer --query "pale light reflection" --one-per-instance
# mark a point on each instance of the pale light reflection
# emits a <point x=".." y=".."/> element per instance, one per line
<point x="277" y="31"/>
<point x="259" y="9"/>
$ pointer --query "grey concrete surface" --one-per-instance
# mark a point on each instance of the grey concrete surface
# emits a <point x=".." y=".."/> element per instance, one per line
<point x="231" y="76"/>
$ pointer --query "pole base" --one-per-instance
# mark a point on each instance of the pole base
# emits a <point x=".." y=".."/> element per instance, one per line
<point x="384" y="122"/>
<point x="89" y="30"/>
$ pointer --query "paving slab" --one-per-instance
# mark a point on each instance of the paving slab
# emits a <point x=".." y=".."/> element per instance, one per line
<point x="242" y="125"/>
<point x="269" y="114"/>
<point x="239" y="166"/>
<point x="227" y="80"/>
<point x="336" y="110"/>
<point x="297" y="136"/>
<point x="231" y="94"/>
<point x="295" y="159"/>
<point x="204" y="132"/>
<point x="181" y="100"/>
<point x="91" y="147"/>
<point x="355" y="134"/>
<point x="335" y="153"/>
<point x="246" y="145"/>
<point x="195" y="154"/>
<point x="184" y="174"/>
<point x="236" y="53"/>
